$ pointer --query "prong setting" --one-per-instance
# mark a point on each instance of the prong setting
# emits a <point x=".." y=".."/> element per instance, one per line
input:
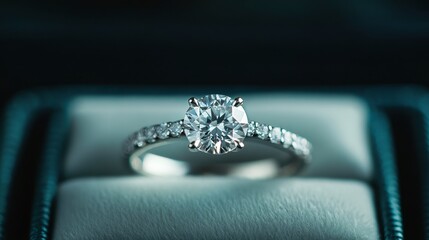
<point x="193" y="102"/>
<point x="240" y="145"/>
<point x="193" y="146"/>
<point x="238" y="101"/>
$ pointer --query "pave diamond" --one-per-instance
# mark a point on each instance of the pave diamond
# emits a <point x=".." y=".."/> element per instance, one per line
<point x="176" y="128"/>
<point x="263" y="131"/>
<point x="215" y="124"/>
<point x="276" y="135"/>
<point x="138" y="139"/>
<point x="287" y="138"/>
<point x="162" y="130"/>
<point x="149" y="134"/>
<point x="251" y="129"/>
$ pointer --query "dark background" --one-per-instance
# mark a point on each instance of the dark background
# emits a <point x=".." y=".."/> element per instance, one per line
<point x="241" y="43"/>
<point x="204" y="43"/>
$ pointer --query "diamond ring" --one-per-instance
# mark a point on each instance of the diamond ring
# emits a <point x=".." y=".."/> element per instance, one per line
<point x="216" y="125"/>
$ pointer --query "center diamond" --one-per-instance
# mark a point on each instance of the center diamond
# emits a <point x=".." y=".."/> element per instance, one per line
<point x="215" y="124"/>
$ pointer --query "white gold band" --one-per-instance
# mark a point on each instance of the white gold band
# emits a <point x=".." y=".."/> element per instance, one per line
<point x="297" y="149"/>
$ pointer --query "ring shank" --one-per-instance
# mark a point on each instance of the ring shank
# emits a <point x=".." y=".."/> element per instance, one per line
<point x="260" y="158"/>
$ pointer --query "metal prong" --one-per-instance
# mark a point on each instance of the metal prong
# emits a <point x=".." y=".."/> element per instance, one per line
<point x="193" y="102"/>
<point x="193" y="146"/>
<point x="240" y="145"/>
<point x="238" y="101"/>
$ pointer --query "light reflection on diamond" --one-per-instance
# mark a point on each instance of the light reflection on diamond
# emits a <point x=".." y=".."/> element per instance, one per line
<point x="216" y="124"/>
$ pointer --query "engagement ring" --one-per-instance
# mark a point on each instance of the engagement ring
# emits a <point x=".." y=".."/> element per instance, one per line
<point x="216" y="125"/>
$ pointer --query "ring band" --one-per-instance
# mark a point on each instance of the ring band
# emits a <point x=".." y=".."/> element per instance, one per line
<point x="216" y="125"/>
